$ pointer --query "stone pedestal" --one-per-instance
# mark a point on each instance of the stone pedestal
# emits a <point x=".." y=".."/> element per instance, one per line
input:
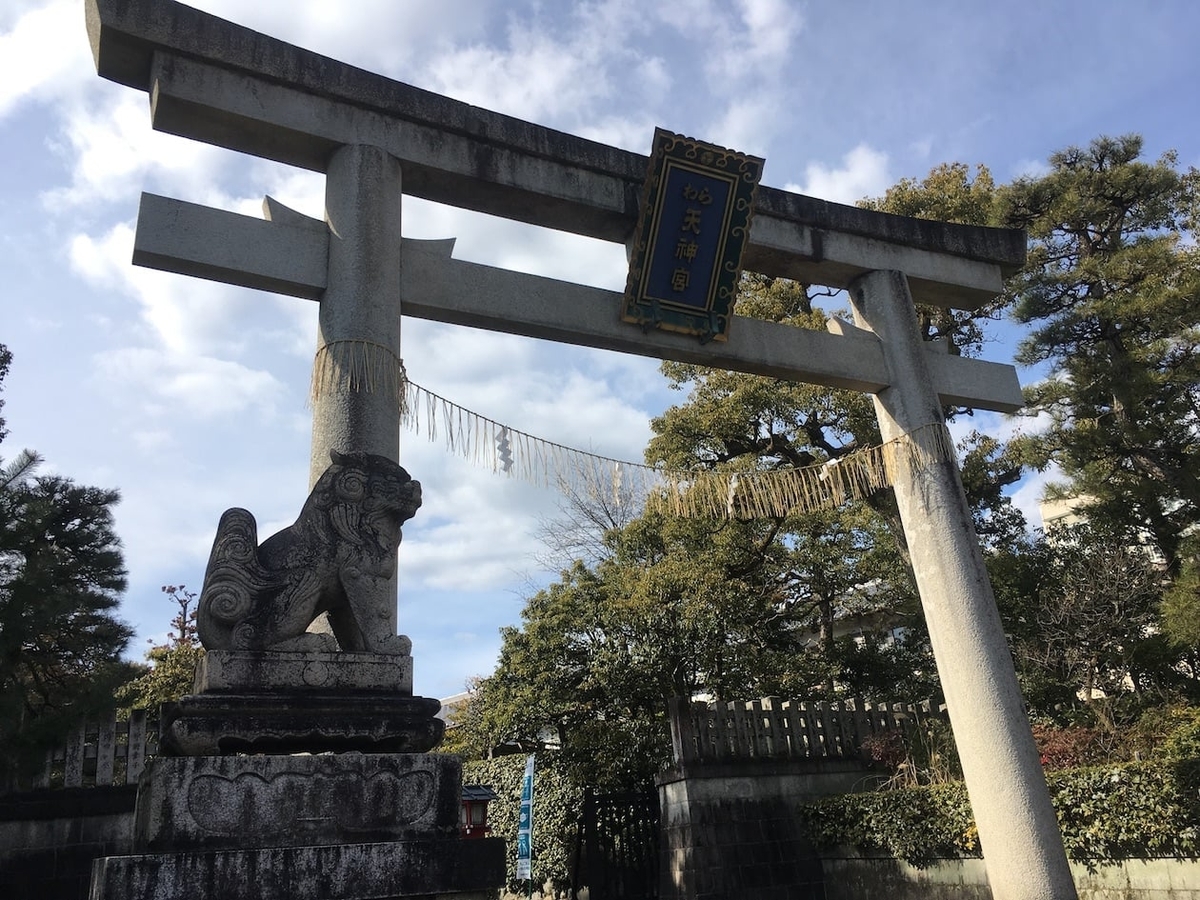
<point x="270" y="702"/>
<point x="301" y="775"/>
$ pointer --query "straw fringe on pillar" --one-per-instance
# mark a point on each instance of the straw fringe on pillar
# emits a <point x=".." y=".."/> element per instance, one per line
<point x="358" y="366"/>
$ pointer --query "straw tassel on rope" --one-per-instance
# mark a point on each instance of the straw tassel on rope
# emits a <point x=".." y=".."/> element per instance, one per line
<point x="707" y="493"/>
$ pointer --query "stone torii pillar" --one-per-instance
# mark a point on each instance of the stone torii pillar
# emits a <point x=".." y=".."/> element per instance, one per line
<point x="361" y="307"/>
<point x="361" y="302"/>
<point x="1000" y="761"/>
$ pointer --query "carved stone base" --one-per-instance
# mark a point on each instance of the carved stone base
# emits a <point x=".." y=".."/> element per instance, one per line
<point x="297" y="775"/>
<point x="460" y="869"/>
<point x="227" y="802"/>
<point x="300" y="722"/>
<point x="340" y="826"/>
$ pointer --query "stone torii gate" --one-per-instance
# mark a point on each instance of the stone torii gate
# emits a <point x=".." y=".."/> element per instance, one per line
<point x="376" y="139"/>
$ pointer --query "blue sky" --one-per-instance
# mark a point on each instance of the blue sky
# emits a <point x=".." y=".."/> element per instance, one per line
<point x="190" y="397"/>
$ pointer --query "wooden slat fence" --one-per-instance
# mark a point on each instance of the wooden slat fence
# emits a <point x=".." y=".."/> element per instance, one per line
<point x="771" y="728"/>
<point x="102" y="753"/>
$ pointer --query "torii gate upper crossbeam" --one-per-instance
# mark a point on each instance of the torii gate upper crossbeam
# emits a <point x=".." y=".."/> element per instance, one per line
<point x="228" y="85"/>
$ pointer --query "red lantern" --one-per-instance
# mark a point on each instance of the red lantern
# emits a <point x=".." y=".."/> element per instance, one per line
<point x="472" y="820"/>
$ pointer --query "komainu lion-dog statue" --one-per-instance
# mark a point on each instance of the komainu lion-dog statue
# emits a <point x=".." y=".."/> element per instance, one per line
<point x="334" y="560"/>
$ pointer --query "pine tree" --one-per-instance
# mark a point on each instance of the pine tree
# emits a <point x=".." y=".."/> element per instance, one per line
<point x="61" y="576"/>
<point x="1112" y="292"/>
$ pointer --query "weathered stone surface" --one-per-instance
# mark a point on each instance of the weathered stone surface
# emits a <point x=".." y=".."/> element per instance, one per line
<point x="852" y="873"/>
<point x="230" y="802"/>
<point x="1000" y="762"/>
<point x="184" y="237"/>
<point x="299" y="722"/>
<point x="730" y="830"/>
<point x="247" y="671"/>
<point x="448" y="868"/>
<point x="338" y="558"/>
<point x="226" y="84"/>
<point x="361" y="304"/>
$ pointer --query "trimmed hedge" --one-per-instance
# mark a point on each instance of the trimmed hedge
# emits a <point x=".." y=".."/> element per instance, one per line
<point x="1136" y="810"/>
<point x="1107" y="813"/>
<point x="556" y="810"/>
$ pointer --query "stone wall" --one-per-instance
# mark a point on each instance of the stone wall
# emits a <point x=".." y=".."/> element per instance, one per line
<point x="48" y="839"/>
<point x="852" y="875"/>
<point x="729" y="829"/>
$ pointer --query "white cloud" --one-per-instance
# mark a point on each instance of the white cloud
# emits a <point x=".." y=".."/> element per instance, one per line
<point x="536" y="77"/>
<point x="513" y="245"/>
<point x="1031" y="168"/>
<point x="113" y="153"/>
<point x="627" y="133"/>
<point x="1028" y="497"/>
<point x="863" y="173"/>
<point x="103" y="262"/>
<point x="40" y="53"/>
<point x="199" y="385"/>
<point x="153" y="440"/>
<point x="562" y="67"/>
<point x="921" y="149"/>
<point x="748" y="124"/>
<point x="380" y="35"/>
<point x="471" y="553"/>
<point x="771" y="27"/>
<point x="185" y="317"/>
<point x="751" y="40"/>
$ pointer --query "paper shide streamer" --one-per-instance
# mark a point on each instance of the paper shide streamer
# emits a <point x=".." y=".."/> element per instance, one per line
<point x="370" y="367"/>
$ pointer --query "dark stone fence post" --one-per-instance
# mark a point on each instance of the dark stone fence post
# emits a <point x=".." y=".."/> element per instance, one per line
<point x="730" y="803"/>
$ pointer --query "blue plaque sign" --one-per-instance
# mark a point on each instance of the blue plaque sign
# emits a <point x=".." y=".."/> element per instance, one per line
<point x="687" y="250"/>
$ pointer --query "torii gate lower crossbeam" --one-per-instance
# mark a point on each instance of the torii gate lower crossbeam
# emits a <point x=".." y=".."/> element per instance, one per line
<point x="252" y="93"/>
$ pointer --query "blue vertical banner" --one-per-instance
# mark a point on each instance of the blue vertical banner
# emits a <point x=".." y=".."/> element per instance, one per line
<point x="525" y="823"/>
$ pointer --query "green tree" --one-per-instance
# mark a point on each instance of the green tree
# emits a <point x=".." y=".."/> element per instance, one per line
<point x="1181" y="608"/>
<point x="808" y="604"/>
<point x="61" y="575"/>
<point x="949" y="193"/>
<point x="556" y="685"/>
<point x="848" y="566"/>
<point x="953" y="192"/>
<point x="60" y="643"/>
<point x="600" y="651"/>
<point x="1019" y="573"/>
<point x="1096" y="614"/>
<point x="1108" y="288"/>
<point x="1111" y="291"/>
<point x="172" y="664"/>
<point x="1081" y="608"/>
<point x="5" y="363"/>
<point x="1180" y="616"/>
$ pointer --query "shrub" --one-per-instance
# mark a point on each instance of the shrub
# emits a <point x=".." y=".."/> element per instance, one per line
<point x="1129" y="810"/>
<point x="1069" y="747"/>
<point x="918" y="824"/>
<point x="556" y="808"/>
